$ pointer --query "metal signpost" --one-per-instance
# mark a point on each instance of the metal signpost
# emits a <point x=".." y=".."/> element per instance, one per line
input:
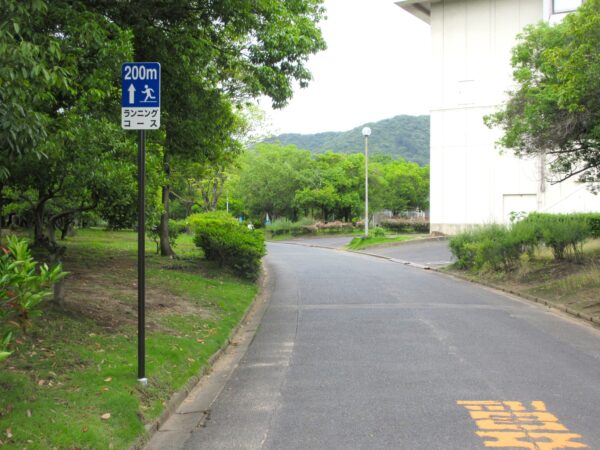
<point x="140" y="110"/>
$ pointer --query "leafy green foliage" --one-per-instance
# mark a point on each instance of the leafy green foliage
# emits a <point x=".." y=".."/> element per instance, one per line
<point x="404" y="137"/>
<point x="563" y="233"/>
<point x="497" y="247"/>
<point x="230" y="244"/>
<point x="285" y="226"/>
<point x="289" y="182"/>
<point x="25" y="285"/>
<point x="377" y="232"/>
<point x="491" y="247"/>
<point x="30" y="68"/>
<point x="406" y="225"/>
<point x="555" y="109"/>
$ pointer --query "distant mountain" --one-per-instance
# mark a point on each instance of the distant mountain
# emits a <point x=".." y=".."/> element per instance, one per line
<point x="400" y="136"/>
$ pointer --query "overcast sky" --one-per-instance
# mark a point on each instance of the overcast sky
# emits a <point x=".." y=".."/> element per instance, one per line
<point x="376" y="66"/>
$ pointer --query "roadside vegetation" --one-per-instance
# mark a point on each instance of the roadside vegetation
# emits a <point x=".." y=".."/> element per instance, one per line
<point x="70" y="381"/>
<point x="554" y="257"/>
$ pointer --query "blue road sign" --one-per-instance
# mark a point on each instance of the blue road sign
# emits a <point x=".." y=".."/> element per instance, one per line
<point x="140" y="97"/>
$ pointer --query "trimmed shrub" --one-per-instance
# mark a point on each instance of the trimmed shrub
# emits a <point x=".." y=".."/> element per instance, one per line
<point x="406" y="225"/>
<point x="230" y="244"/>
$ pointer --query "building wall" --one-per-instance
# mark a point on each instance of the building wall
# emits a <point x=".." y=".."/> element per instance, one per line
<point x="472" y="182"/>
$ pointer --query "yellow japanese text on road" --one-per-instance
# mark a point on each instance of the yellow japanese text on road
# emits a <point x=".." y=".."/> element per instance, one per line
<point x="515" y="425"/>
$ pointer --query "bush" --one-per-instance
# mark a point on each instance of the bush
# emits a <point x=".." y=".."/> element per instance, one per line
<point x="285" y="226"/>
<point x="230" y="244"/>
<point x="176" y="227"/>
<point x="406" y="225"/>
<point x="563" y="233"/>
<point x="336" y="226"/>
<point x="593" y="221"/>
<point x="499" y="247"/>
<point x="529" y="234"/>
<point x="463" y="247"/>
<point x="377" y="232"/>
<point x="24" y="287"/>
<point x="492" y="247"/>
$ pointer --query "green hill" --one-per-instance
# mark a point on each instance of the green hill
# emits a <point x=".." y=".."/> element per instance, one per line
<point x="400" y="136"/>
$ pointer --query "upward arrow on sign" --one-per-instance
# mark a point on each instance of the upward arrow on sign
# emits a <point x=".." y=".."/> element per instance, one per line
<point x="131" y="94"/>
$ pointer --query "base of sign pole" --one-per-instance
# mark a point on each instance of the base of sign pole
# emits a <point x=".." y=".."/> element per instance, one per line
<point x="143" y="381"/>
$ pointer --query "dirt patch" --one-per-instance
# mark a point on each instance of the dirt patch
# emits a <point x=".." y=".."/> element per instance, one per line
<point x="106" y="292"/>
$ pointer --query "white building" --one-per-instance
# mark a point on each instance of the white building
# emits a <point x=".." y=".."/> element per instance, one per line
<point x="471" y="182"/>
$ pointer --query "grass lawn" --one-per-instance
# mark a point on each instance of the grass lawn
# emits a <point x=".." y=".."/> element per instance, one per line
<point x="570" y="283"/>
<point x="361" y="243"/>
<point x="72" y="381"/>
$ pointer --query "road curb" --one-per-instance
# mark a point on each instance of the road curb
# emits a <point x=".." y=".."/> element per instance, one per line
<point x="178" y="397"/>
<point x="532" y="298"/>
<point x="577" y="314"/>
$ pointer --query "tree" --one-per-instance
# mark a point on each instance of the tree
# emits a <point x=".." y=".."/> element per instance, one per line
<point x="30" y="70"/>
<point x="269" y="178"/>
<point x="83" y="155"/>
<point x="216" y="55"/>
<point x="554" y="111"/>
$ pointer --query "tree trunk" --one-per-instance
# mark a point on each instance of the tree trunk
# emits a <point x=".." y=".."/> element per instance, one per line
<point x="163" y="227"/>
<point x="56" y="256"/>
<point x="38" y="224"/>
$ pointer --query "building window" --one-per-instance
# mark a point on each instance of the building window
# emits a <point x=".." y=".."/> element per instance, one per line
<point x="564" y="6"/>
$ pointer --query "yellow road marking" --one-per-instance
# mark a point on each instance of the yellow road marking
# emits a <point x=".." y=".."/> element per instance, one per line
<point x="512" y="424"/>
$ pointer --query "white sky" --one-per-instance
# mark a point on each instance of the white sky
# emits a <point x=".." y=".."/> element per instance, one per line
<point x="376" y="66"/>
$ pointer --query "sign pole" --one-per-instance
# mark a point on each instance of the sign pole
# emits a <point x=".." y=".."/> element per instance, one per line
<point x="140" y="110"/>
<point x="141" y="259"/>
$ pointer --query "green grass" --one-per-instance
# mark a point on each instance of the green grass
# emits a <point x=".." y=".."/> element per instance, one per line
<point x="360" y="243"/>
<point x="76" y="365"/>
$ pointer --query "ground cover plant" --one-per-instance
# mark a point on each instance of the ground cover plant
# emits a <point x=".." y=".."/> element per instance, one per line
<point x="71" y="381"/>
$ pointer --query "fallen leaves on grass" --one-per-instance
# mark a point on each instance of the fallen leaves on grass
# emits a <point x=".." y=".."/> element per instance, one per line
<point x="108" y="380"/>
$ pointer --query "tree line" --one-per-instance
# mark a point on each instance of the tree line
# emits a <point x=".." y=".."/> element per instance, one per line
<point x="285" y="181"/>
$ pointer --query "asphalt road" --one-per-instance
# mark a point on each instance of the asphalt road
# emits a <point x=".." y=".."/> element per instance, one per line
<point x="357" y="352"/>
<point x="429" y="252"/>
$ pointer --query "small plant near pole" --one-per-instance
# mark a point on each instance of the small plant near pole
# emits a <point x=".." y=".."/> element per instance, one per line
<point x="23" y="288"/>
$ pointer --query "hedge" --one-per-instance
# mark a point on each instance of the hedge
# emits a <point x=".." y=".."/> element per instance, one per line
<point x="229" y="244"/>
<point x="405" y="225"/>
<point x="498" y="247"/>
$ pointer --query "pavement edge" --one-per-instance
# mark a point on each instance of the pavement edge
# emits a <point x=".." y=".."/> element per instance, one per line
<point x="257" y="307"/>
